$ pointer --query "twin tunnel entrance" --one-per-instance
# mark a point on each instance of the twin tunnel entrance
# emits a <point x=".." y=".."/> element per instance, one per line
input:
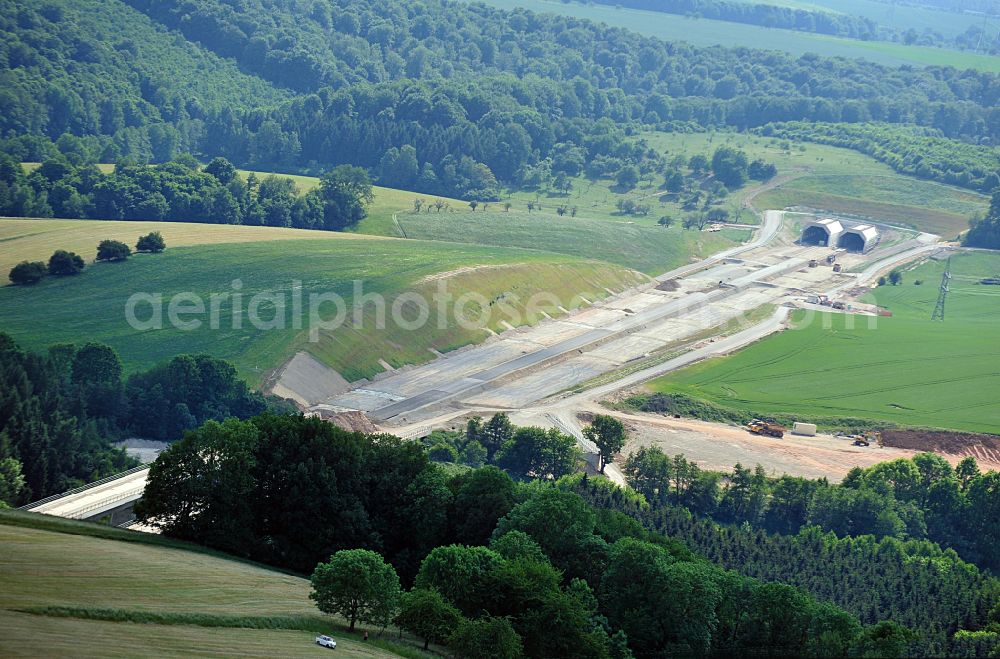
<point x="830" y="233"/>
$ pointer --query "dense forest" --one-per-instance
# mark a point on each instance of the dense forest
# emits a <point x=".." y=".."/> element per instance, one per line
<point x="915" y="583"/>
<point x="474" y="96"/>
<point x="61" y="411"/>
<point x="568" y="578"/>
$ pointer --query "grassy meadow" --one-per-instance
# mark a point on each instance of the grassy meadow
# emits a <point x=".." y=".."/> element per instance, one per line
<point x="648" y="248"/>
<point x="705" y="32"/>
<point x="66" y="591"/>
<point x="906" y="370"/>
<point x="92" y="305"/>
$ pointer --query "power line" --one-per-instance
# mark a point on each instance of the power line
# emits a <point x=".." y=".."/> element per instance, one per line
<point x="942" y="293"/>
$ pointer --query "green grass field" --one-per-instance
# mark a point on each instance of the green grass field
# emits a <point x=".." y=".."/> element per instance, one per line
<point x="704" y="32"/>
<point x="840" y="180"/>
<point x="907" y="370"/>
<point x="92" y="305"/>
<point x="56" y="575"/>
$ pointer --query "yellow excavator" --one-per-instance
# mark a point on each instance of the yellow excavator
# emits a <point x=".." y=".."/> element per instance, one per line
<point x="868" y="438"/>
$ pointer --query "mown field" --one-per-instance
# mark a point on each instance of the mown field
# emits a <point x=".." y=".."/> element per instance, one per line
<point x="906" y="370"/>
<point x="840" y="180"/>
<point x="35" y="240"/>
<point x="92" y="305"/>
<point x="704" y="32"/>
<point x="56" y="582"/>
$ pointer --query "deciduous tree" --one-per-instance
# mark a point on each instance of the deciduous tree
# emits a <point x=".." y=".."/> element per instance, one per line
<point x="357" y="584"/>
<point x="608" y="433"/>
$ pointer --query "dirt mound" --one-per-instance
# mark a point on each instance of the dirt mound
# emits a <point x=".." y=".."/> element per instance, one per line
<point x="669" y="285"/>
<point x="984" y="448"/>
<point x="350" y="421"/>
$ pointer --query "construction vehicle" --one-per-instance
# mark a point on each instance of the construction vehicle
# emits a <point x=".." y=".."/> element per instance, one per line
<point x="759" y="427"/>
<point x="867" y="438"/>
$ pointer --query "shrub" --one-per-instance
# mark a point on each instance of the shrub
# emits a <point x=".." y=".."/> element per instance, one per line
<point x="113" y="250"/>
<point x="27" y="272"/>
<point x="152" y="242"/>
<point x="63" y="263"/>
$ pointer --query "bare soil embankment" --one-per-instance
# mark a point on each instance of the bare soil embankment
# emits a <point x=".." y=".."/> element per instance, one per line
<point x="984" y="448"/>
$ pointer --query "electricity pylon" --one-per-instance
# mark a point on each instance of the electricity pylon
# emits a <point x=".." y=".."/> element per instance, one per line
<point x="943" y="293"/>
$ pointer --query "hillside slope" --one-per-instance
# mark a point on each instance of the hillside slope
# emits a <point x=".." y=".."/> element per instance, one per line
<point x="55" y="575"/>
<point x="93" y="304"/>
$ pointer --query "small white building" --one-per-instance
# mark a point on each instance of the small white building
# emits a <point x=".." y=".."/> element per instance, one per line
<point x="825" y="232"/>
<point x="861" y="238"/>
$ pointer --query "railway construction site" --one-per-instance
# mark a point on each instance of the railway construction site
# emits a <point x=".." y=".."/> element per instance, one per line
<point x="551" y="373"/>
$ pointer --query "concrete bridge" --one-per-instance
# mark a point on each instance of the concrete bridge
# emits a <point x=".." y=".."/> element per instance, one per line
<point x="110" y="498"/>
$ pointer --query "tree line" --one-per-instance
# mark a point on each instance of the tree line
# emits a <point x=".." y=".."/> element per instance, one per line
<point x="182" y="191"/>
<point x="62" y="410"/>
<point x="921" y="152"/>
<point x="764" y="15"/>
<point x="922" y="498"/>
<point x="492" y="567"/>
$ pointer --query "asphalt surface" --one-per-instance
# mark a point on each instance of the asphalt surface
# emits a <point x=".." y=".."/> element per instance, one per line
<point x="98" y="499"/>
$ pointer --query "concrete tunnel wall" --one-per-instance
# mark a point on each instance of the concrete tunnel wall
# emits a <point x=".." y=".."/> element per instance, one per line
<point x="859" y="239"/>
<point x="824" y="232"/>
<point x="852" y="242"/>
<point x="816" y="235"/>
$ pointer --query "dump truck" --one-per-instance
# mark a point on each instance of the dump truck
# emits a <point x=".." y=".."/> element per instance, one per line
<point x="759" y="427"/>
